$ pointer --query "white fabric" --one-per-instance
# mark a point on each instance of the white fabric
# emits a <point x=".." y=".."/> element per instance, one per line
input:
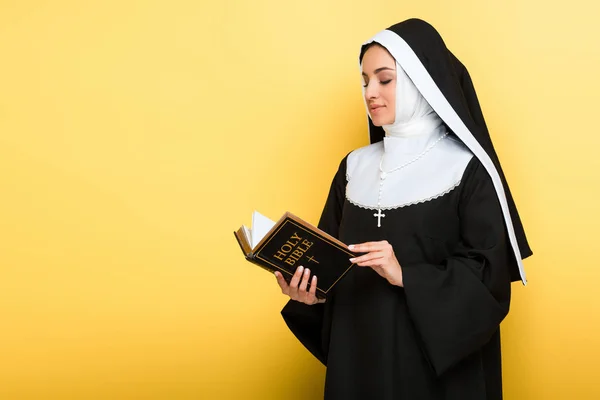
<point x="415" y="129"/>
<point x="414" y="116"/>
<point x="435" y="174"/>
<point x="417" y="72"/>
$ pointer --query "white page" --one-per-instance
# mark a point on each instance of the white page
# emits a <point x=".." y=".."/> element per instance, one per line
<point x="261" y="225"/>
<point x="248" y="234"/>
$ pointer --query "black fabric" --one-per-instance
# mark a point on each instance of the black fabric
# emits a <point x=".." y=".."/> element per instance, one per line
<point x="436" y="338"/>
<point x="454" y="81"/>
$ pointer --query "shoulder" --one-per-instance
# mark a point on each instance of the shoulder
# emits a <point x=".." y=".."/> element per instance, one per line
<point x="450" y="160"/>
<point x="359" y="156"/>
<point x="476" y="180"/>
<point x="356" y="156"/>
<point x="365" y="151"/>
<point x="475" y="170"/>
<point x="458" y="151"/>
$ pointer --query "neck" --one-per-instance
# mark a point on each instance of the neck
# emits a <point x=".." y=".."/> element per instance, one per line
<point x="417" y="127"/>
<point x="399" y="148"/>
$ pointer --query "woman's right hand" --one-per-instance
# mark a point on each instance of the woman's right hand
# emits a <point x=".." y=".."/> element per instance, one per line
<point x="296" y="290"/>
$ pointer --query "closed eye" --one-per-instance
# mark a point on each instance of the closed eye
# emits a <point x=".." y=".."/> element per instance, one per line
<point x="382" y="82"/>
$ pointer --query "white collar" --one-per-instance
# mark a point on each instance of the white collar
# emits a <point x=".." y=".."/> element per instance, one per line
<point x="434" y="174"/>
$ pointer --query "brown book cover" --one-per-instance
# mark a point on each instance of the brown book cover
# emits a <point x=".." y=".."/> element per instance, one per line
<point x="293" y="242"/>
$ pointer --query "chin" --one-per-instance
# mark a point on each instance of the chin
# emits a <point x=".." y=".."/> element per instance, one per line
<point x="379" y="121"/>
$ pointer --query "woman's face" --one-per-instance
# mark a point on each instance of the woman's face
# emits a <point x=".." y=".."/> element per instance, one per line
<point x="379" y="80"/>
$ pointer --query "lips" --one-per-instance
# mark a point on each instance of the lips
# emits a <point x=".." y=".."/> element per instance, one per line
<point x="375" y="107"/>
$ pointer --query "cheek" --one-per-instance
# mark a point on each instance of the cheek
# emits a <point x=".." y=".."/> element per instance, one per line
<point x="390" y="96"/>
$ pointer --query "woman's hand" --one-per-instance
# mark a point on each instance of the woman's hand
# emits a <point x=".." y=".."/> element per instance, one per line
<point x="297" y="287"/>
<point x="381" y="258"/>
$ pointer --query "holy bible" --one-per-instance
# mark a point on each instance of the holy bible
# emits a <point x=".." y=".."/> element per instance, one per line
<point x="292" y="242"/>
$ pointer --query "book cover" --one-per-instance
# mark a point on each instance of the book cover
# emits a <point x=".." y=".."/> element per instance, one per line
<point x="292" y="242"/>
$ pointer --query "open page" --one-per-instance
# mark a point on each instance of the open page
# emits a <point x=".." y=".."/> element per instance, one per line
<point x="261" y="225"/>
<point x="248" y="234"/>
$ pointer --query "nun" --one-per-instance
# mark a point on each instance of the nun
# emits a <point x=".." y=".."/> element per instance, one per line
<point x="428" y="208"/>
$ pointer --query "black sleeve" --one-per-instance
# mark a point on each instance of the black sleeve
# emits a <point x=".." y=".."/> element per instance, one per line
<point x="458" y="305"/>
<point x="306" y="322"/>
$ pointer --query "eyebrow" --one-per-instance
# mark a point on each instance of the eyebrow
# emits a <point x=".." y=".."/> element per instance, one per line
<point x="378" y="70"/>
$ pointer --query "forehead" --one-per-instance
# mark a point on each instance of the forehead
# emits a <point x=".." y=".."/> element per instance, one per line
<point x="376" y="57"/>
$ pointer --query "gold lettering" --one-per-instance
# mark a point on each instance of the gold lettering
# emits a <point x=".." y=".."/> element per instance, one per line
<point x="292" y="243"/>
<point x="289" y="247"/>
<point x="295" y="236"/>
<point x="297" y="254"/>
<point x="279" y="255"/>
<point x="307" y="245"/>
<point x="290" y="261"/>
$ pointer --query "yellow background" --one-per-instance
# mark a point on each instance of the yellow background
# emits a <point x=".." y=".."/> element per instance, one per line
<point x="135" y="136"/>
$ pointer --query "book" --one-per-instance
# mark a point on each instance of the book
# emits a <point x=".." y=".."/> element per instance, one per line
<point x="292" y="242"/>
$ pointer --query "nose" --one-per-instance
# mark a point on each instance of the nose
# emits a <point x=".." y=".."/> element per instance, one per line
<point x="371" y="91"/>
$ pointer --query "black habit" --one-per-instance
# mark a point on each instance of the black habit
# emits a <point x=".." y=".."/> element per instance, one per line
<point x="438" y="336"/>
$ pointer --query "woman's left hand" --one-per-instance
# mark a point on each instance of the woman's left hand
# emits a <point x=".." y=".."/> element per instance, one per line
<point x="381" y="258"/>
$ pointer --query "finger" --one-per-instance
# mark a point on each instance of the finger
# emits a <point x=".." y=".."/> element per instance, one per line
<point x="304" y="283"/>
<point x="310" y="297"/>
<point x="296" y="277"/>
<point x="367" y="257"/>
<point x="312" y="293"/>
<point x="313" y="286"/>
<point x="294" y="282"/>
<point x="368" y="246"/>
<point x="372" y="263"/>
<point x="282" y="283"/>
